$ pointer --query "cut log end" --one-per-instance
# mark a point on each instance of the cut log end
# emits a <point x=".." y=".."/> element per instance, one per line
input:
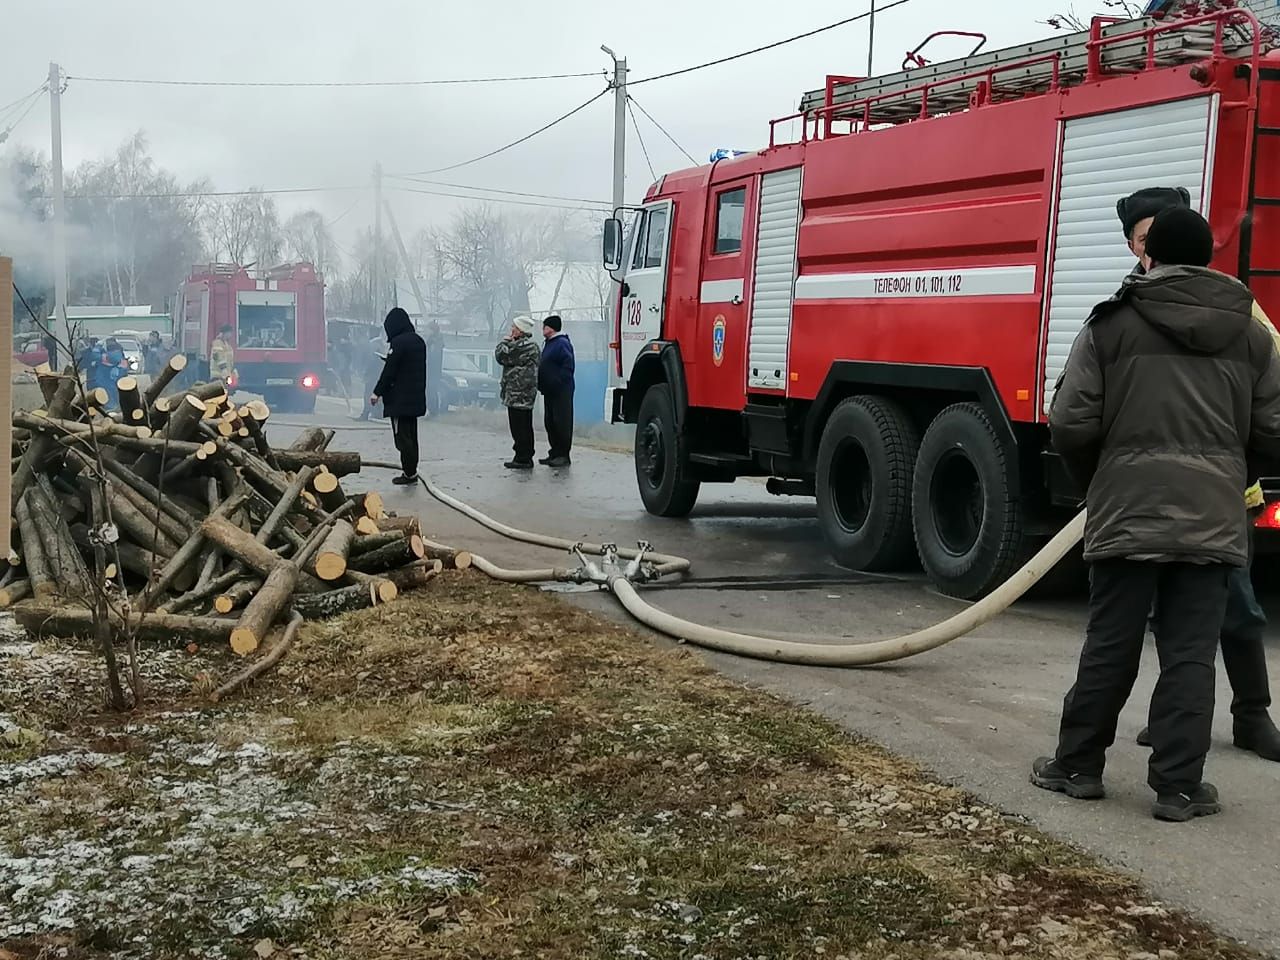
<point x="178" y="362"/>
<point x="418" y="548"/>
<point x="366" y="526"/>
<point x="325" y="482"/>
<point x="244" y="641"/>
<point x="331" y="566"/>
<point x="224" y="604"/>
<point x="387" y="591"/>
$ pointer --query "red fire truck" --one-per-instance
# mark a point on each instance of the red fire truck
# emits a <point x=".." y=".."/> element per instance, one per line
<point x="277" y="322"/>
<point x="874" y="309"/>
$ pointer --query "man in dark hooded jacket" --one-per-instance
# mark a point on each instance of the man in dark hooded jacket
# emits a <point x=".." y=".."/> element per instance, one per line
<point x="1169" y="389"/>
<point x="1243" y="652"/>
<point x="402" y="389"/>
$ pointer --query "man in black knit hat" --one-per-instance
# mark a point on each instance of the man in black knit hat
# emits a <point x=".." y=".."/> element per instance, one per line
<point x="1169" y="389"/>
<point x="555" y="383"/>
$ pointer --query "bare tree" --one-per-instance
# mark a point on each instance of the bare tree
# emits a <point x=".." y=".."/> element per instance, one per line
<point x="307" y="237"/>
<point x="492" y="256"/>
<point x="245" y="229"/>
<point x="1073" y="21"/>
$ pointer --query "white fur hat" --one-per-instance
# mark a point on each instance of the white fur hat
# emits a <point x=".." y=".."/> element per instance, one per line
<point x="523" y="323"/>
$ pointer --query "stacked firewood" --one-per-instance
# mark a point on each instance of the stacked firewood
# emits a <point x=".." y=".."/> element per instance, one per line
<point x="200" y="529"/>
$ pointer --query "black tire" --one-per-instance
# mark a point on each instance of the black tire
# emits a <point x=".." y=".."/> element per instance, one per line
<point x="967" y="518"/>
<point x="866" y="461"/>
<point x="660" y="458"/>
<point x="304" y="401"/>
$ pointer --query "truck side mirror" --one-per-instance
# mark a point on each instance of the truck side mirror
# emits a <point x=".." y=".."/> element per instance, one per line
<point x="613" y="245"/>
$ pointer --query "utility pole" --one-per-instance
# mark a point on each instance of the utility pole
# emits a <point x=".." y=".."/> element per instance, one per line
<point x="60" y="327"/>
<point x="619" y="84"/>
<point x="871" y="41"/>
<point x="377" y="242"/>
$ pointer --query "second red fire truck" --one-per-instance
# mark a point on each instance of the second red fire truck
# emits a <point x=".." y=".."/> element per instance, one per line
<point x="277" y="329"/>
<point x="874" y="309"/>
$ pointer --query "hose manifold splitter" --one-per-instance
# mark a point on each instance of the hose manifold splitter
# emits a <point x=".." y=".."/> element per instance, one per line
<point x="612" y="567"/>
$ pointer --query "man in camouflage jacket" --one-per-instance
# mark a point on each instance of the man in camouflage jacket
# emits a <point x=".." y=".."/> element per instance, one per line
<point x="518" y="356"/>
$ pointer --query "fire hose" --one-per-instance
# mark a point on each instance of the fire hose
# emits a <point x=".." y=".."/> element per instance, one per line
<point x="645" y="565"/>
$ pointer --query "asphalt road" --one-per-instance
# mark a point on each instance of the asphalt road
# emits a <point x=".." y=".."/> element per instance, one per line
<point x="976" y="712"/>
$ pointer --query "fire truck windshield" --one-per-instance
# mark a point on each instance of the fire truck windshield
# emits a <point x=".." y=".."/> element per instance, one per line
<point x="266" y="321"/>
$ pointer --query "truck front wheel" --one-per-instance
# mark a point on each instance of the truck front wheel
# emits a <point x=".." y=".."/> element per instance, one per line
<point x="967" y="517"/>
<point x="863" y="484"/>
<point x="659" y="456"/>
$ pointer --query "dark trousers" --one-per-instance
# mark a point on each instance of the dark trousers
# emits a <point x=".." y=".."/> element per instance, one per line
<point x="1190" y="603"/>
<point x="405" y="432"/>
<point x="558" y="419"/>
<point x="521" y="422"/>
<point x="1243" y="653"/>
<point x="435" y="392"/>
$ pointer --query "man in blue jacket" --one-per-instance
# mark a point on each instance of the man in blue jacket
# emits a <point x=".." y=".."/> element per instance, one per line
<point x="555" y="383"/>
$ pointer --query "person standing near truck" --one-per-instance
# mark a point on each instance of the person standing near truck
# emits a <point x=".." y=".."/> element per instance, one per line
<point x="518" y="357"/>
<point x="402" y="389"/>
<point x="1170" y="389"/>
<point x="435" y="371"/>
<point x="1243" y="653"/>
<point x="222" y="356"/>
<point x="556" y="383"/>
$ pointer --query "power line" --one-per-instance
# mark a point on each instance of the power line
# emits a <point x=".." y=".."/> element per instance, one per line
<point x="343" y="214"/>
<point x="640" y="136"/>
<point x="596" y="205"/>
<point x="513" y="193"/>
<point x="769" y="46"/>
<point x="35" y="98"/>
<point x="514" y="143"/>
<point x="194" y="194"/>
<point x="675" y="143"/>
<point x="143" y="81"/>
<point x="23" y="99"/>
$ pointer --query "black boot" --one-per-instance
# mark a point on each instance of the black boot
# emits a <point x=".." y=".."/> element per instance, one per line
<point x="1258" y="734"/>
<point x="1048" y="774"/>
<point x="1144" y="737"/>
<point x="1181" y="807"/>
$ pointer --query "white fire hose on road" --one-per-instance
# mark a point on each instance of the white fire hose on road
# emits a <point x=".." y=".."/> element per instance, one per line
<point x="645" y="565"/>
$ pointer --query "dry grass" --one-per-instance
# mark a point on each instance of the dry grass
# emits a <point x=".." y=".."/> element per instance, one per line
<point x="483" y="772"/>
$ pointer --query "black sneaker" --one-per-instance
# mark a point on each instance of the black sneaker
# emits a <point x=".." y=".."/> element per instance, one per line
<point x="1144" y="737"/>
<point x="405" y="480"/>
<point x="559" y="462"/>
<point x="1047" y="774"/>
<point x="1181" y="807"/>
<point x="519" y="464"/>
<point x="545" y="461"/>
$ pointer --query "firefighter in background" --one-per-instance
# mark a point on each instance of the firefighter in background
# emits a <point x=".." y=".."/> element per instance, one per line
<point x="1243" y="652"/>
<point x="1170" y="389"/>
<point x="222" y="356"/>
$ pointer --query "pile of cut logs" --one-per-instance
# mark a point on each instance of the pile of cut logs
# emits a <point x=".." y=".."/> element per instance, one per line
<point x="204" y="531"/>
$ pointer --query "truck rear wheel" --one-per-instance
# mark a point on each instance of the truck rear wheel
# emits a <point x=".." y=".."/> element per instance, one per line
<point x="968" y="522"/>
<point x="660" y="459"/>
<point x="864" y="472"/>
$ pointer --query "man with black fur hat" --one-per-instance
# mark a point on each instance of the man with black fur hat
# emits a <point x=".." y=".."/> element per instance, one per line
<point x="1169" y="389"/>
<point x="1243" y="652"/>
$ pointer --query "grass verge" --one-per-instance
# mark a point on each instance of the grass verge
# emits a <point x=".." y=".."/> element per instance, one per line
<point x="481" y="771"/>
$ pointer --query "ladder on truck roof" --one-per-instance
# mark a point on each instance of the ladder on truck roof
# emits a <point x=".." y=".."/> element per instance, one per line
<point x="1110" y="47"/>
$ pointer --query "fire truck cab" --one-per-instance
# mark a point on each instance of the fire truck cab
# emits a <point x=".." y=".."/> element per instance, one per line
<point x="277" y="324"/>
<point x="874" y="309"/>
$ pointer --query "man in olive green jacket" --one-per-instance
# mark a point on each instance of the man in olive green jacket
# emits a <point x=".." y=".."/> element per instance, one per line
<point x="1168" y="391"/>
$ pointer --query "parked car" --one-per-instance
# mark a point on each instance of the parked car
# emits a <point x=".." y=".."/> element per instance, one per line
<point x="466" y="385"/>
<point x="29" y="349"/>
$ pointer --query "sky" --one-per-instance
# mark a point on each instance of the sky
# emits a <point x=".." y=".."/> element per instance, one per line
<point x="241" y="137"/>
